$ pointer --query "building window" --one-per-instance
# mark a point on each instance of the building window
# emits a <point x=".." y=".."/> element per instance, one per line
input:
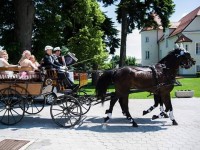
<point x="147" y="39"/>
<point x="198" y="68"/>
<point x="147" y="55"/>
<point x="186" y="47"/>
<point x="198" y="48"/>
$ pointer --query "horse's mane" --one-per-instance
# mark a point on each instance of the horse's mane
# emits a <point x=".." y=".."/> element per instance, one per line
<point x="171" y="53"/>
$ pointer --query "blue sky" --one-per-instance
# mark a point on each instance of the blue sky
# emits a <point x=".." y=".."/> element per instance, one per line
<point x="182" y="8"/>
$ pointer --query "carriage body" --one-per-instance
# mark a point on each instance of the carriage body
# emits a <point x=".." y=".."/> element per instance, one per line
<point x="21" y="91"/>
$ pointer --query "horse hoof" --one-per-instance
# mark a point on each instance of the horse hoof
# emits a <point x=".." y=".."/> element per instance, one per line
<point x="166" y="116"/>
<point x="134" y="124"/>
<point x="145" y="112"/>
<point x="154" y="117"/>
<point x="174" y="123"/>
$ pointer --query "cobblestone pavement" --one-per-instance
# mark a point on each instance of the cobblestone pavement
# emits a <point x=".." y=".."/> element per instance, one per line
<point x="119" y="135"/>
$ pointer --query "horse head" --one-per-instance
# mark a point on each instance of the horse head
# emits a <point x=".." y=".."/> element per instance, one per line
<point x="178" y="57"/>
<point x="184" y="58"/>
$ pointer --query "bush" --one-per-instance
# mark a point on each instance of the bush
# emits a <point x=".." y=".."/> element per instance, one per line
<point x="198" y="74"/>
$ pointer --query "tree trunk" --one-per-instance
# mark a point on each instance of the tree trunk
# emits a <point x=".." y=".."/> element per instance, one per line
<point x="123" y="38"/>
<point x="24" y="13"/>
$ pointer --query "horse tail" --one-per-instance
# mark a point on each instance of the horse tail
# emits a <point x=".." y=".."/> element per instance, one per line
<point x="102" y="84"/>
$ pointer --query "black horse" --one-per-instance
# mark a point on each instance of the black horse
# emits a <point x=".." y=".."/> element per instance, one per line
<point x="158" y="79"/>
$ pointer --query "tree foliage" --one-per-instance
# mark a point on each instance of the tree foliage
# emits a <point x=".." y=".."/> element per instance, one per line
<point x="130" y="61"/>
<point x="61" y="23"/>
<point x="134" y="14"/>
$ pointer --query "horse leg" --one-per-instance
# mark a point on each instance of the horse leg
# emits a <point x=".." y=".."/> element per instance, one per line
<point x="124" y="101"/>
<point x="121" y="105"/>
<point x="156" y="102"/>
<point x="162" y="112"/>
<point x="109" y="111"/>
<point x="168" y="105"/>
<point x="170" y="109"/>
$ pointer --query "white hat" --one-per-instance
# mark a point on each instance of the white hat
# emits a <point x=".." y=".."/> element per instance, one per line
<point x="57" y="49"/>
<point x="48" y="47"/>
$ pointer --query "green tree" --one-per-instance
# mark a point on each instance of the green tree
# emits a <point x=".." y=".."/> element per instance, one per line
<point x="87" y="43"/>
<point x="55" y="22"/>
<point x="138" y="14"/>
<point x="130" y="61"/>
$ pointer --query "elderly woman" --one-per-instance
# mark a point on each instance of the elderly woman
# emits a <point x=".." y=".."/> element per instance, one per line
<point x="25" y="60"/>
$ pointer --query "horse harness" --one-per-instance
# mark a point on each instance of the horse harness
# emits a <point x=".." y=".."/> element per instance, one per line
<point x="155" y="76"/>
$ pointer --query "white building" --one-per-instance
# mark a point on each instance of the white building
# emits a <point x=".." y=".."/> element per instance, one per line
<point x="156" y="44"/>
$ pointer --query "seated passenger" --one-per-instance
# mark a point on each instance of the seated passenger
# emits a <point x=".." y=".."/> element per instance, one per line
<point x="25" y="62"/>
<point x="34" y="61"/>
<point x="49" y="62"/>
<point x="4" y="63"/>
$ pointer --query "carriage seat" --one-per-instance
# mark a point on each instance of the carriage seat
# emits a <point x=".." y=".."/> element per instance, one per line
<point x="18" y="73"/>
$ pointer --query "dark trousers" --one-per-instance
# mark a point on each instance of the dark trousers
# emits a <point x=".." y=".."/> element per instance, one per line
<point x="64" y="77"/>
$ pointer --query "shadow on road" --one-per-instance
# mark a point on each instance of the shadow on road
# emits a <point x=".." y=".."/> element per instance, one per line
<point x="121" y="125"/>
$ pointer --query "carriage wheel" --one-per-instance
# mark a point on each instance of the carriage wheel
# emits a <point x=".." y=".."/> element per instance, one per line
<point x="34" y="105"/>
<point x="50" y="98"/>
<point x="66" y="111"/>
<point x="85" y="101"/>
<point x="11" y="103"/>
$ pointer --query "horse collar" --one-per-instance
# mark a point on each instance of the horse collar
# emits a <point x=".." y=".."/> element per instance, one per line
<point x="154" y="74"/>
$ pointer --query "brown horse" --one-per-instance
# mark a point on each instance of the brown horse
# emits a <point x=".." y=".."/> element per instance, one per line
<point x="158" y="79"/>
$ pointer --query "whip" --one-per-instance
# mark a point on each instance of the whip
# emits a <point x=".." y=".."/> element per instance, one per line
<point x="80" y="62"/>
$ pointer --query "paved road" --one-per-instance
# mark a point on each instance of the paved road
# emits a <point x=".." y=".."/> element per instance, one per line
<point x="119" y="135"/>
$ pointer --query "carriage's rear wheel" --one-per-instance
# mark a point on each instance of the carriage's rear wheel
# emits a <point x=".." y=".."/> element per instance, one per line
<point x="66" y="111"/>
<point x="33" y="104"/>
<point x="11" y="106"/>
<point x="84" y="100"/>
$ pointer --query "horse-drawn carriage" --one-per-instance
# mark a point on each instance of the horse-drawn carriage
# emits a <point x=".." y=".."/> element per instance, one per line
<point x="20" y="94"/>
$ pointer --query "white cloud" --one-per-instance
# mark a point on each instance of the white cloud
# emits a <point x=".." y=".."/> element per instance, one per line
<point x="133" y="44"/>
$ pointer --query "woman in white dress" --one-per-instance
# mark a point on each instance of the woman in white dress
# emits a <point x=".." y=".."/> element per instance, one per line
<point x="4" y="63"/>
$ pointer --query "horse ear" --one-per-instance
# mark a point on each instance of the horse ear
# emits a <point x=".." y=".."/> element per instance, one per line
<point x="181" y="46"/>
<point x="176" y="46"/>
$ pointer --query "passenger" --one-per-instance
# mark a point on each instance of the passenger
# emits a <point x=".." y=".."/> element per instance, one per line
<point x="4" y="63"/>
<point x="49" y="62"/>
<point x="57" y="56"/>
<point x="34" y="61"/>
<point x="25" y="62"/>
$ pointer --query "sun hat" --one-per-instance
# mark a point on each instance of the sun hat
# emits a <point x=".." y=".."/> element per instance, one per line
<point x="48" y="47"/>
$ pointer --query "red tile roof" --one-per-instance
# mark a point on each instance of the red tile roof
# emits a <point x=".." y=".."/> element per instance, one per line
<point x="183" y="38"/>
<point x="186" y="20"/>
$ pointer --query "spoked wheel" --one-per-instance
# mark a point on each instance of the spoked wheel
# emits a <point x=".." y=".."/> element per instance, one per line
<point x="50" y="98"/>
<point x="66" y="111"/>
<point x="85" y="101"/>
<point x="11" y="104"/>
<point x="34" y="105"/>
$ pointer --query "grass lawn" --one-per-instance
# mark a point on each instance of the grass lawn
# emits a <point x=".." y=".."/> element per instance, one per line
<point x="187" y="84"/>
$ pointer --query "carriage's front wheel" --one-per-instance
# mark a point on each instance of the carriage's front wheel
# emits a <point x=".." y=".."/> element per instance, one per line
<point x="34" y="105"/>
<point x="66" y="111"/>
<point x="11" y="106"/>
